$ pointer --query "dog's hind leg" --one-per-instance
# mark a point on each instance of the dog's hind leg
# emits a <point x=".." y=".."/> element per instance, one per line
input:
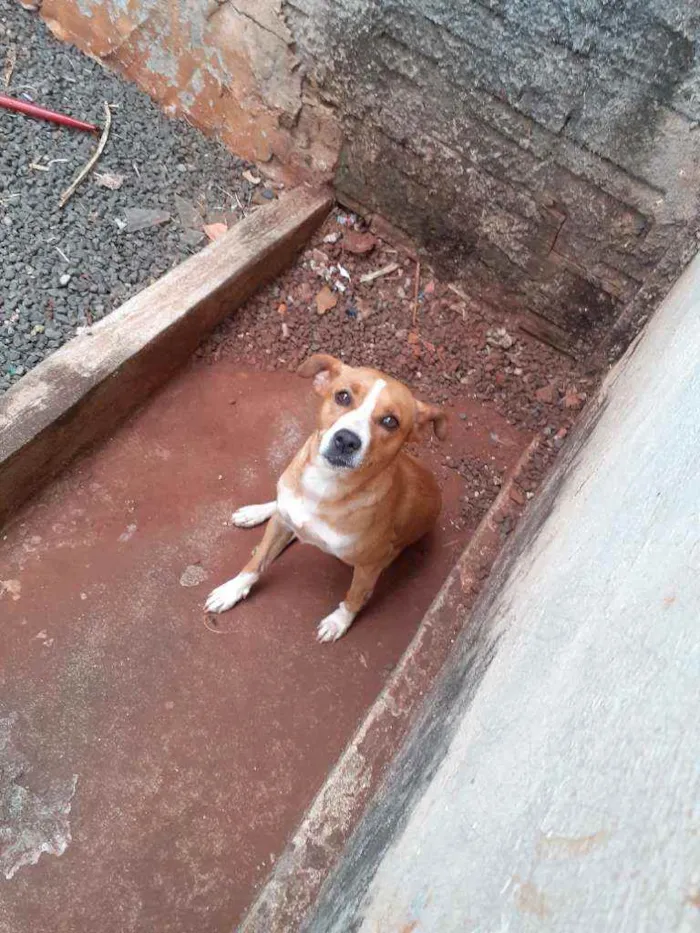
<point x="251" y="515"/>
<point x="276" y="538"/>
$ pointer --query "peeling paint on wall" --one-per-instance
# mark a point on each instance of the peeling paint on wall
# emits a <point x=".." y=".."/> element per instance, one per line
<point x="30" y="823"/>
<point x="227" y="66"/>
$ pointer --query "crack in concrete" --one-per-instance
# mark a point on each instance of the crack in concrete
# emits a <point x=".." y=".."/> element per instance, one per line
<point x="220" y="4"/>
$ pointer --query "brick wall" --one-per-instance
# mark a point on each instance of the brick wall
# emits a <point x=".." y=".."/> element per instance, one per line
<point x="546" y="152"/>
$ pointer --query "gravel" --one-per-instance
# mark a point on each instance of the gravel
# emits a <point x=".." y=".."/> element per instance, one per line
<point x="65" y="268"/>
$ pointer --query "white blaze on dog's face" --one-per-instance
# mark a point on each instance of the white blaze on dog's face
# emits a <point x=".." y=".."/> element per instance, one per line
<point x="366" y="416"/>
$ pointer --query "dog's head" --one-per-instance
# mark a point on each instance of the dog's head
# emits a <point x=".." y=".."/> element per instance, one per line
<point x="366" y="416"/>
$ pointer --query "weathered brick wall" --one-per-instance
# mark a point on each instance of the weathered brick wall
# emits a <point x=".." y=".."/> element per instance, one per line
<point x="547" y="152"/>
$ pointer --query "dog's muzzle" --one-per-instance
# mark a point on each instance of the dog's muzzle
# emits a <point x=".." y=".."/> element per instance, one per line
<point x="342" y="448"/>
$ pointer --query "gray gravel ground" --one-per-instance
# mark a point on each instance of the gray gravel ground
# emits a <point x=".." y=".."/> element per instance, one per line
<point x="63" y="268"/>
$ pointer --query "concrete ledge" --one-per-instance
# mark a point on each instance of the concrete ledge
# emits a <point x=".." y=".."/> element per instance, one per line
<point x="551" y="780"/>
<point x="85" y="389"/>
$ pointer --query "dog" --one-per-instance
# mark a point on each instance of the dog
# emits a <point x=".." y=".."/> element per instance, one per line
<point x="351" y="490"/>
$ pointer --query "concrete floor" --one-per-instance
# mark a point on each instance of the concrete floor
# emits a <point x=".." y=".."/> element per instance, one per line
<point x="553" y="783"/>
<point x="166" y="764"/>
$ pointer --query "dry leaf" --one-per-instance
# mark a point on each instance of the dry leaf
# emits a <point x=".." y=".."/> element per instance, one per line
<point x="253" y="179"/>
<point x="358" y="243"/>
<point x="214" y="231"/>
<point x="414" y="342"/>
<point x="107" y="180"/>
<point x="325" y="300"/>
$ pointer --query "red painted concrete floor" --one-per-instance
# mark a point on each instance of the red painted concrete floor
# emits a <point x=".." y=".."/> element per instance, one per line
<point x="172" y="763"/>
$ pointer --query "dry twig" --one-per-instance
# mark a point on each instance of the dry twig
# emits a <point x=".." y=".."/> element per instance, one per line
<point x="92" y="161"/>
<point x="371" y="276"/>
<point x="10" y="62"/>
<point x="416" y="288"/>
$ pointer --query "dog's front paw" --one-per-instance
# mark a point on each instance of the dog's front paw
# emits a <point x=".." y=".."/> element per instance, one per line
<point x="336" y="624"/>
<point x="251" y="515"/>
<point x="228" y="594"/>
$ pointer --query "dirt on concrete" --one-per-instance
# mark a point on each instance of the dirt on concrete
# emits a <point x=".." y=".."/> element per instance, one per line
<point x="167" y="764"/>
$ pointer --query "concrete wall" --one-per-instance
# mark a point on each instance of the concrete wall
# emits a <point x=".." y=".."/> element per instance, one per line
<point x="545" y="152"/>
<point x="552" y="782"/>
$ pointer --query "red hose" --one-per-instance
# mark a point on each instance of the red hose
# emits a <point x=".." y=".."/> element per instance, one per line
<point x="31" y="110"/>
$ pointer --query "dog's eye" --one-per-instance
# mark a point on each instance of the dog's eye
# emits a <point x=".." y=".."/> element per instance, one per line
<point x="343" y="398"/>
<point x="389" y="422"/>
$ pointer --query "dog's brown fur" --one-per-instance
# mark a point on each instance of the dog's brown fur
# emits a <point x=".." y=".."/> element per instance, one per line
<point x="365" y="515"/>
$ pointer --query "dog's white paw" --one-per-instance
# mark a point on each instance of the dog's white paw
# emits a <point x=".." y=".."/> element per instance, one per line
<point x="251" y="515"/>
<point x="228" y="594"/>
<point x="336" y="624"/>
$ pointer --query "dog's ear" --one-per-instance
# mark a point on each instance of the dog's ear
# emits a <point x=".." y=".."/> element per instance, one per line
<point x="429" y="414"/>
<point x="322" y="368"/>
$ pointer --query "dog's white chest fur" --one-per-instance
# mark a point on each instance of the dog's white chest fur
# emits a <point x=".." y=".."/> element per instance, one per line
<point x="299" y="510"/>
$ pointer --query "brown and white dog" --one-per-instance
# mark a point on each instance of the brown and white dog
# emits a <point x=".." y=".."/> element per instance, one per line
<point x="351" y="490"/>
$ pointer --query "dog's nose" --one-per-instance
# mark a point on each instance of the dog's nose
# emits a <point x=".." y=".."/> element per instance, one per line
<point x="346" y="442"/>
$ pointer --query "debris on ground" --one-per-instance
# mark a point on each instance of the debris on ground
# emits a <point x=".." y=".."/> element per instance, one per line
<point x="10" y="62"/>
<point x="250" y="177"/>
<point x="214" y="231"/>
<point x="189" y="215"/>
<point x="459" y="350"/>
<point x="379" y="273"/>
<point x="109" y="180"/>
<point x="499" y="337"/>
<point x="546" y="394"/>
<point x="141" y="218"/>
<point x="91" y="162"/>
<point x="325" y="300"/>
<point x="30" y="109"/>
<point x="355" y="242"/>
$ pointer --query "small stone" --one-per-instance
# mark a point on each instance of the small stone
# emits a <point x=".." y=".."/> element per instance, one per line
<point x="65" y="278"/>
<point x="358" y="243"/>
<point x="192" y="237"/>
<point x="251" y="178"/>
<point x="499" y="337"/>
<point x="141" y="218"/>
<point x="189" y="216"/>
<point x="545" y="395"/>
<point x="573" y="399"/>
<point x="109" y="180"/>
<point x="193" y="575"/>
<point x="517" y="495"/>
<point x="325" y="301"/>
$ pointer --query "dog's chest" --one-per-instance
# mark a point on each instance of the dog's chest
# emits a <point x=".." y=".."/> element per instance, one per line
<point x="300" y="513"/>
